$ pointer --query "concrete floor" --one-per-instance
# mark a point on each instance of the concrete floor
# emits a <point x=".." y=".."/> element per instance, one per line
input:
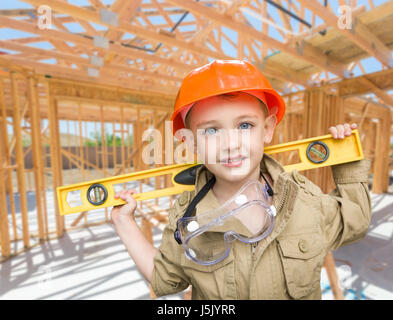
<point x="92" y="263"/>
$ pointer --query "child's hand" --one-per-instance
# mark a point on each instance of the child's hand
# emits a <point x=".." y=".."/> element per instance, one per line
<point x="341" y="131"/>
<point x="125" y="212"/>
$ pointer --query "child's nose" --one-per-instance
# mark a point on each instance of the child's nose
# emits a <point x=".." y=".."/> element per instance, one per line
<point x="231" y="140"/>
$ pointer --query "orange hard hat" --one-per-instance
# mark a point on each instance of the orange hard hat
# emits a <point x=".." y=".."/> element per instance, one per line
<point x="224" y="76"/>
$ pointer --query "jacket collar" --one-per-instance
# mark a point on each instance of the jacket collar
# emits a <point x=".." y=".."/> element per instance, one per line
<point x="271" y="166"/>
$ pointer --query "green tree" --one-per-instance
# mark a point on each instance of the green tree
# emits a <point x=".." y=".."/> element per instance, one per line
<point x="97" y="140"/>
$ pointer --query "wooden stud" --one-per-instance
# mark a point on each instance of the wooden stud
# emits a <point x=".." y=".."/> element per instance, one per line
<point x="37" y="155"/>
<point x="114" y="149"/>
<point x="45" y="210"/>
<point x="333" y="277"/>
<point x="20" y="160"/>
<point x="55" y="155"/>
<point x="4" y="229"/>
<point x="104" y="150"/>
<point x="381" y="161"/>
<point x="81" y="151"/>
<point x="122" y="130"/>
<point x="96" y="142"/>
<point x="9" y="186"/>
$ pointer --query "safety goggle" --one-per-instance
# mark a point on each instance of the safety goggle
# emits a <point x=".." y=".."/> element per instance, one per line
<point x="247" y="217"/>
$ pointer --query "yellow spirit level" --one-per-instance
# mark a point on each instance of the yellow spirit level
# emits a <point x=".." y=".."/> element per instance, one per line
<point x="314" y="152"/>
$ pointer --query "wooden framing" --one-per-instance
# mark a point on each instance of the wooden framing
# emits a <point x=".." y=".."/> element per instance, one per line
<point x="297" y="61"/>
<point x="297" y="103"/>
<point x="4" y="229"/>
<point x="359" y="33"/>
<point x="8" y="166"/>
<point x="37" y="155"/>
<point x="139" y="71"/>
<point x="321" y="111"/>
<point x="55" y="154"/>
<point x="17" y="126"/>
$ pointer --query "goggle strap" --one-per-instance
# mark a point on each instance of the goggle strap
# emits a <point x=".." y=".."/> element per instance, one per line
<point x="190" y="209"/>
<point x="269" y="188"/>
<point x="199" y="196"/>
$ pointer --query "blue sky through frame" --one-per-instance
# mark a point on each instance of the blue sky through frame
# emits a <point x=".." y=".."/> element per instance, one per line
<point x="370" y="64"/>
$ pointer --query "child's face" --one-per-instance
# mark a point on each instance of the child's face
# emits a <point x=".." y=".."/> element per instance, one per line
<point x="230" y="133"/>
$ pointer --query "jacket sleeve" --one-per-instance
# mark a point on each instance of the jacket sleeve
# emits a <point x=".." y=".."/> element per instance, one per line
<point x="346" y="210"/>
<point x="168" y="276"/>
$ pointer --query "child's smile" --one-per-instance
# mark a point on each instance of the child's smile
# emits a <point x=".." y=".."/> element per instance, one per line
<point x="233" y="162"/>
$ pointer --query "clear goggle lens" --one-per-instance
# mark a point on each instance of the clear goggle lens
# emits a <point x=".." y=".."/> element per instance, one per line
<point x="247" y="217"/>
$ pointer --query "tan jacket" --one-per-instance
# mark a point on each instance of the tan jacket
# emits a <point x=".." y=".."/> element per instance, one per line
<point x="285" y="265"/>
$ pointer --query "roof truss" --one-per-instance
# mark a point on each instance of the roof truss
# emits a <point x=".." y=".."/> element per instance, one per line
<point x="153" y="44"/>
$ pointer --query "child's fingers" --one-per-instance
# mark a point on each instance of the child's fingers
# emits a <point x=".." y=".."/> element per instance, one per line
<point x="340" y="131"/>
<point x="118" y="194"/>
<point x="126" y="195"/>
<point x="347" y="129"/>
<point x="333" y="131"/>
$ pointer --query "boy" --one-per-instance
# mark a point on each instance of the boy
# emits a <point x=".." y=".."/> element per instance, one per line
<point x="231" y="99"/>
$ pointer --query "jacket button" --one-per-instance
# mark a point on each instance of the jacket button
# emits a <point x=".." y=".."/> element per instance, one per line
<point x="303" y="246"/>
<point x="182" y="200"/>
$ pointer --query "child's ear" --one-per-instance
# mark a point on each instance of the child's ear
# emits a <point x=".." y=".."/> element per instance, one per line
<point x="270" y="124"/>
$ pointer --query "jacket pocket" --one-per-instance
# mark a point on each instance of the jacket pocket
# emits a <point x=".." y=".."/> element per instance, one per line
<point x="302" y="258"/>
<point x="215" y="281"/>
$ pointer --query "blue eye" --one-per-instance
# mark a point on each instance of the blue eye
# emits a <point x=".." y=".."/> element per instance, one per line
<point x="209" y="131"/>
<point x="245" y="126"/>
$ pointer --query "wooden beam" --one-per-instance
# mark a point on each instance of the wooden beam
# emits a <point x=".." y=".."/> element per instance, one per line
<point x="356" y="105"/>
<point x="307" y="53"/>
<point x="7" y="156"/>
<point x="104" y="150"/>
<point x="20" y="160"/>
<point x="125" y="27"/>
<point x="84" y="61"/>
<point x="278" y="71"/>
<point x="364" y="114"/>
<point x="284" y="17"/>
<point x="112" y="102"/>
<point x="104" y="78"/>
<point x="331" y="271"/>
<point x="381" y="160"/>
<point x="55" y="156"/>
<point x="355" y="86"/>
<point x="37" y="155"/>
<point x="4" y="228"/>
<point x="97" y="4"/>
<point x="377" y="91"/>
<point x="88" y="43"/>
<point x="109" y="92"/>
<point x="125" y="10"/>
<point x="79" y="159"/>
